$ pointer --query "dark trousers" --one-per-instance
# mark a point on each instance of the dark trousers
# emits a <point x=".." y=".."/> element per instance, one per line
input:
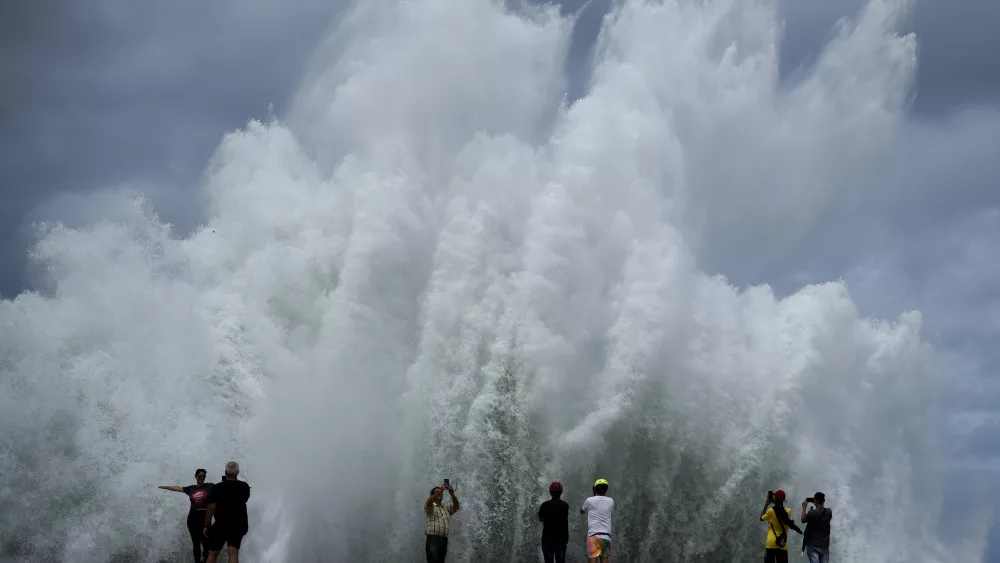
<point x="775" y="556"/>
<point x="437" y="549"/>
<point x="195" y="523"/>
<point x="554" y="553"/>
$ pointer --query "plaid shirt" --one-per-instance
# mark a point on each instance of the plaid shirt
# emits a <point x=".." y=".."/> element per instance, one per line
<point x="438" y="519"/>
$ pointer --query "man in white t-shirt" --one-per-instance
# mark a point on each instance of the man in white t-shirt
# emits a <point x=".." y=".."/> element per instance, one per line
<point x="598" y="509"/>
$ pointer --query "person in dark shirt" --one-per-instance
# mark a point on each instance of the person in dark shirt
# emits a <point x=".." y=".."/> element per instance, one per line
<point x="227" y="502"/>
<point x="816" y="540"/>
<point x="554" y="514"/>
<point x="198" y="495"/>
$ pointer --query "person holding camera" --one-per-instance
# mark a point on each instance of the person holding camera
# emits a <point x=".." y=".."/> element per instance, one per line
<point x="437" y="519"/>
<point x="779" y="521"/>
<point x="599" y="510"/>
<point x="816" y="540"/>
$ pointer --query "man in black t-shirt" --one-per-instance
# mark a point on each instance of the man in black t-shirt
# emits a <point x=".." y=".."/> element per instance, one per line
<point x="227" y="502"/>
<point x="554" y="514"/>
<point x="816" y="540"/>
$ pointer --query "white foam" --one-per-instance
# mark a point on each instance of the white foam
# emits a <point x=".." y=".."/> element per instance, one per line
<point x="433" y="269"/>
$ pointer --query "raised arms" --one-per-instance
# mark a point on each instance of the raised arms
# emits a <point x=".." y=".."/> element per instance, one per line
<point x="455" y="507"/>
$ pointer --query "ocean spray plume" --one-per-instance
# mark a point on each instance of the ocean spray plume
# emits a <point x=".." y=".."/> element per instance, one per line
<point x="433" y="268"/>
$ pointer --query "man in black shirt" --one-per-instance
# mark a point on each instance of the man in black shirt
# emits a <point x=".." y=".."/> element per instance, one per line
<point x="227" y="502"/>
<point x="816" y="540"/>
<point x="554" y="515"/>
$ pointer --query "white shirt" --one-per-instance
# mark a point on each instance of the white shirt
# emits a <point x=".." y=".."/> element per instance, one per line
<point x="599" y="511"/>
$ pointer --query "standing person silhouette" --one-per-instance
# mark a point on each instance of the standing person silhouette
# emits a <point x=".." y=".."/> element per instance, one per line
<point x="554" y="514"/>
<point x="228" y="504"/>
<point x="779" y="521"/>
<point x="437" y="522"/>
<point x="816" y="540"/>
<point x="599" y="509"/>
<point x="198" y="495"/>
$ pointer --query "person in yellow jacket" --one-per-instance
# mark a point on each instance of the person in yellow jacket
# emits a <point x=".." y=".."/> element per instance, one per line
<point x="779" y="520"/>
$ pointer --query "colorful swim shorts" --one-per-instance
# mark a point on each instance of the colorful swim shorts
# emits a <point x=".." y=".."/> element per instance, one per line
<point x="598" y="546"/>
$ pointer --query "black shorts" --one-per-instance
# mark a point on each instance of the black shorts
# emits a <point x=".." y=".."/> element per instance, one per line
<point x="218" y="536"/>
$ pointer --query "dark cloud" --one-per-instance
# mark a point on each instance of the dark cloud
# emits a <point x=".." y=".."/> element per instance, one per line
<point x="590" y="15"/>
<point x="959" y="62"/>
<point x="100" y="93"/>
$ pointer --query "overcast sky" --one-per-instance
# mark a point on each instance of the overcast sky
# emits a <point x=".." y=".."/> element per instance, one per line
<point x="106" y="95"/>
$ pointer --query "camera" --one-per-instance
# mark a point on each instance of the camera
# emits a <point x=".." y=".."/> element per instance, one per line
<point x="811" y="499"/>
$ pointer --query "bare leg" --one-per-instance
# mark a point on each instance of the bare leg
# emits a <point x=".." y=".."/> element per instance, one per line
<point x="234" y="554"/>
<point x="213" y="556"/>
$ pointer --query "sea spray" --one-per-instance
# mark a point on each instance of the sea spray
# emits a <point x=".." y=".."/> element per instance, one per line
<point x="434" y="266"/>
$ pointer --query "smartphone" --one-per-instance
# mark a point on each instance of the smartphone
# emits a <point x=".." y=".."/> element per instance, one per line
<point x="770" y="496"/>
<point x="811" y="499"/>
<point x="446" y="482"/>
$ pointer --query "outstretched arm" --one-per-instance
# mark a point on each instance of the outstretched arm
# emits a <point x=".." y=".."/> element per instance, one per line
<point x="784" y="517"/>
<point x="171" y="488"/>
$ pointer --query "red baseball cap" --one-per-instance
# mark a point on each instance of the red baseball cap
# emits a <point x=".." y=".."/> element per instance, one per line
<point x="779" y="495"/>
